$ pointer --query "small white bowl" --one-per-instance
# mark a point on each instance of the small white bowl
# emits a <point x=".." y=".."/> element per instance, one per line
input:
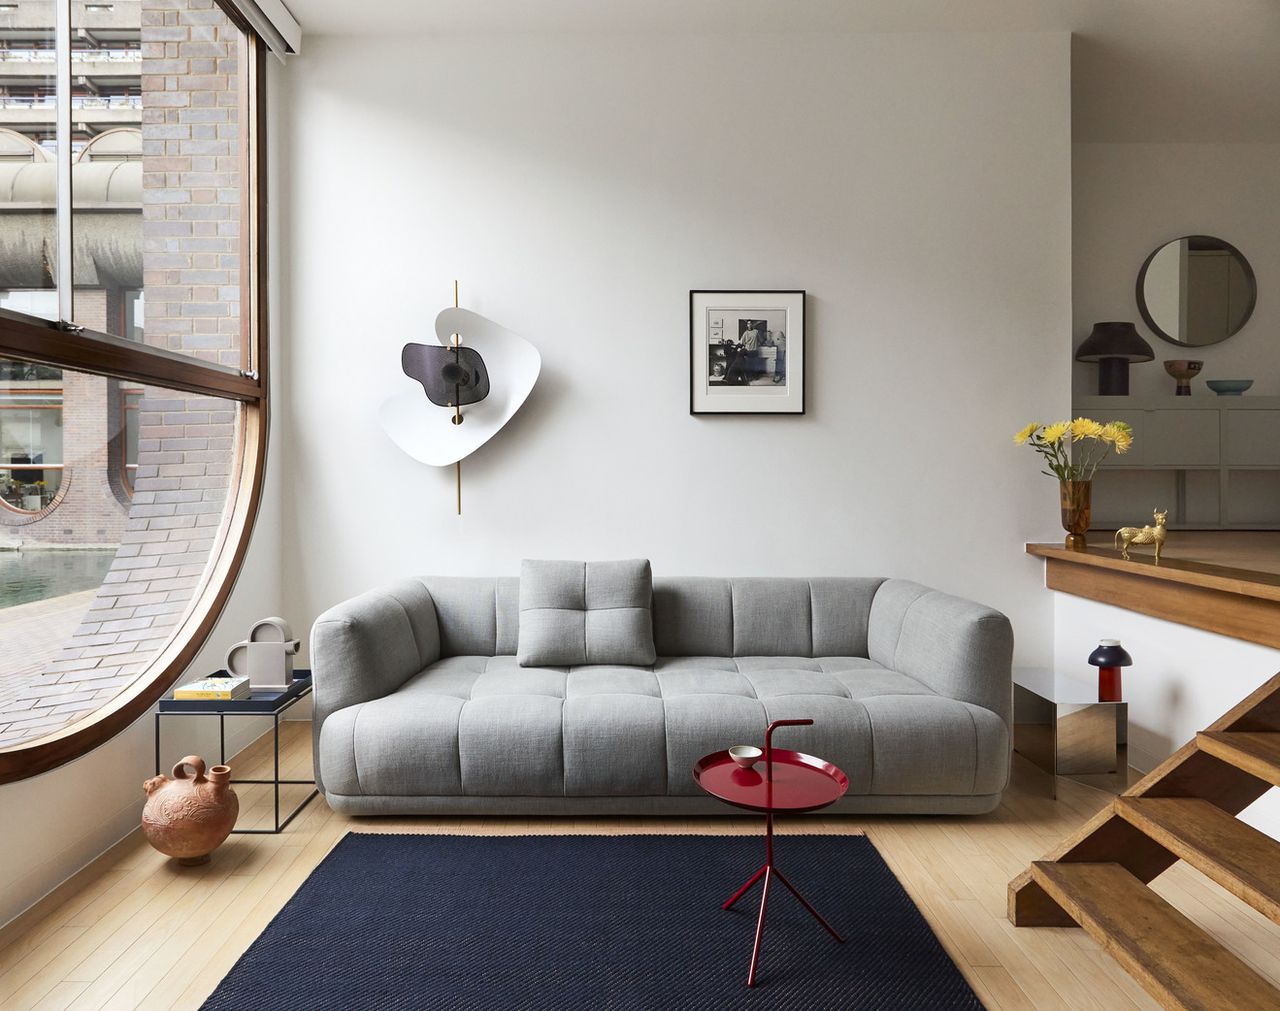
<point x="745" y="755"/>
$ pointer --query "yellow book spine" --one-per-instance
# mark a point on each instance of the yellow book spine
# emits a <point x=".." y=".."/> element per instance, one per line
<point x="217" y="696"/>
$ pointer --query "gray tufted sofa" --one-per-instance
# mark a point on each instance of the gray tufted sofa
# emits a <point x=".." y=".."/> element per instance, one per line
<point x="420" y="707"/>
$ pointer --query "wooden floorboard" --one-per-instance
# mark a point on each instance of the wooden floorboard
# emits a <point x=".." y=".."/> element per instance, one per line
<point x="137" y="931"/>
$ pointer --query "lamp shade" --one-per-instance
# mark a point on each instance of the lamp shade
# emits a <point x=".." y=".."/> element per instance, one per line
<point x="1110" y="654"/>
<point x="1115" y="340"/>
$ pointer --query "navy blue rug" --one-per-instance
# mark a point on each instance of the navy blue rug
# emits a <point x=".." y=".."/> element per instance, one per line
<point x="591" y="923"/>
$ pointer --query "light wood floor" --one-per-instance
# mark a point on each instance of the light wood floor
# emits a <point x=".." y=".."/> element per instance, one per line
<point x="136" y="930"/>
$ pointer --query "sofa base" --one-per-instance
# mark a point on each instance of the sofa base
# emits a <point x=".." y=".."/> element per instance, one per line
<point x="622" y="806"/>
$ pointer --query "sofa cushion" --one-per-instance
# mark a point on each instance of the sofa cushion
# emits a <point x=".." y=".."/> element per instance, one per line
<point x="585" y="613"/>
<point x="483" y="726"/>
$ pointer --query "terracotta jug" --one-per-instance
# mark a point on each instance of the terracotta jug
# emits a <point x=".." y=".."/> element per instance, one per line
<point x="190" y="818"/>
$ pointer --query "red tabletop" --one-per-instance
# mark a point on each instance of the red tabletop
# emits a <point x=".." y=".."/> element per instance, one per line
<point x="800" y="782"/>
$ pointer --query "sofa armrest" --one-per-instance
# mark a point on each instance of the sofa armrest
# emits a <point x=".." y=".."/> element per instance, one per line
<point x="367" y="647"/>
<point x="959" y="648"/>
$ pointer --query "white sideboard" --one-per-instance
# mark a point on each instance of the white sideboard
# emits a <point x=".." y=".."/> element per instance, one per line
<point x="1213" y="462"/>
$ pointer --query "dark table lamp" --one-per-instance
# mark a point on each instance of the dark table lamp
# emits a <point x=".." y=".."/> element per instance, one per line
<point x="1109" y="657"/>
<point x="1113" y="346"/>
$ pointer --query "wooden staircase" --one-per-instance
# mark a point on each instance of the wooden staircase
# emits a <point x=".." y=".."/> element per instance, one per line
<point x="1183" y="810"/>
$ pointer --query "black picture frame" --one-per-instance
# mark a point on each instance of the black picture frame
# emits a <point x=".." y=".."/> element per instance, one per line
<point x="723" y="372"/>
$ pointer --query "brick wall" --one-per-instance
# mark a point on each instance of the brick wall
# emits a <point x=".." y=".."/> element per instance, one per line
<point x="191" y="179"/>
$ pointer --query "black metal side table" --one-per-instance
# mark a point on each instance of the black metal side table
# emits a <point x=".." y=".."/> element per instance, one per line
<point x="271" y="702"/>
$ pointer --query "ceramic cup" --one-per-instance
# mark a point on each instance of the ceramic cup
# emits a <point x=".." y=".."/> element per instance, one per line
<point x="745" y="755"/>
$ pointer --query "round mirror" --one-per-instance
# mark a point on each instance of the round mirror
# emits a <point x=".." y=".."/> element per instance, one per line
<point x="1196" y="290"/>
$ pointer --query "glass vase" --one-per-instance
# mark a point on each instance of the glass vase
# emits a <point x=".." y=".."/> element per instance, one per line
<point x="1076" y="497"/>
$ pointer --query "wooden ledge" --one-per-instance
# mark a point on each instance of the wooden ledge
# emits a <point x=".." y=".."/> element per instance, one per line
<point x="1236" y="602"/>
<point x="1249" y="582"/>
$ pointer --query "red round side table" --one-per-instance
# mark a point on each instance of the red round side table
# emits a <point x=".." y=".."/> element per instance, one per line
<point x="792" y="782"/>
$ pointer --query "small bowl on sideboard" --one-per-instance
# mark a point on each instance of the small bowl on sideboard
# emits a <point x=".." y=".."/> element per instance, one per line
<point x="1228" y="387"/>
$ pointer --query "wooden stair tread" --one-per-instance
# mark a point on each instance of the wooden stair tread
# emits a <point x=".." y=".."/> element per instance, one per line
<point x="1177" y="962"/>
<point x="1241" y="859"/>
<point x="1255" y="753"/>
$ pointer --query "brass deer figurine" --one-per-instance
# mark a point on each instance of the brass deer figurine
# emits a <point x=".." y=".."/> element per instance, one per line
<point x="1146" y="535"/>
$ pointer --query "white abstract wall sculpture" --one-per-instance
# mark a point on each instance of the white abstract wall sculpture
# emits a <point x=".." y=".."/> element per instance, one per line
<point x="429" y="434"/>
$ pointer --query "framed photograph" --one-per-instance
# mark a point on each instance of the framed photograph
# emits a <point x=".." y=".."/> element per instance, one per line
<point x="746" y="352"/>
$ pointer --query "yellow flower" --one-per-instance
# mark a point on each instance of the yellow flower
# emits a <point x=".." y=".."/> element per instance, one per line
<point x="1086" y="428"/>
<point x="1118" y="434"/>
<point x="1054" y="433"/>
<point x="1026" y="433"/>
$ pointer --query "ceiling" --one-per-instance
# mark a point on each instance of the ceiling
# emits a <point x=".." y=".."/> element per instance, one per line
<point x="1143" y="70"/>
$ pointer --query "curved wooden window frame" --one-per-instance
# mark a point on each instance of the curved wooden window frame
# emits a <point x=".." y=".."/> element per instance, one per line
<point x="53" y="344"/>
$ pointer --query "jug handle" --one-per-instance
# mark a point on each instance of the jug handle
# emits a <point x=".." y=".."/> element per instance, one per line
<point x="196" y="762"/>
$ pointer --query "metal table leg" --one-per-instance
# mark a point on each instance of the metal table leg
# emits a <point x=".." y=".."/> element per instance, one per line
<point x="276" y="782"/>
<point x="768" y="872"/>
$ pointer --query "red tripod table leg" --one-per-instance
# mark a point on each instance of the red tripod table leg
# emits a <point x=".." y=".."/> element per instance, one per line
<point x="768" y="872"/>
<point x="755" y="948"/>
<point x="805" y="902"/>
<point x="743" y="890"/>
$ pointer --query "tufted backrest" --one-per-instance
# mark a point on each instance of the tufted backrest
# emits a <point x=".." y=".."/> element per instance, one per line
<point x="692" y="615"/>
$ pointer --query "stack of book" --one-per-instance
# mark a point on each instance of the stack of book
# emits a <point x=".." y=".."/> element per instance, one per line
<point x="220" y="688"/>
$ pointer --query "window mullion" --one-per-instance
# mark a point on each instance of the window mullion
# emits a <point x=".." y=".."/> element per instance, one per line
<point x="64" y="276"/>
<point x="46" y="343"/>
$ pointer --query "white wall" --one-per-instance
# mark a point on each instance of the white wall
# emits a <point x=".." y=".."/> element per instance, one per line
<point x="578" y="186"/>
<point x="1182" y="679"/>
<point x="1132" y="198"/>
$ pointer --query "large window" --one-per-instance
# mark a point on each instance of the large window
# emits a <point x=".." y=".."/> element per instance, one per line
<point x="132" y="394"/>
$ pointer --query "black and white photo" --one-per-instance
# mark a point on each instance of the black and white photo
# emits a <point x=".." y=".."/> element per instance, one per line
<point x="746" y="352"/>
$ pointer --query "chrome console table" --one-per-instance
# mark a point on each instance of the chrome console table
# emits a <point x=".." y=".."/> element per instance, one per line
<point x="1060" y="726"/>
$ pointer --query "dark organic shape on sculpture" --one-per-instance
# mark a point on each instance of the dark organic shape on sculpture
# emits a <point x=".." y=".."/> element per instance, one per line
<point x="450" y="376"/>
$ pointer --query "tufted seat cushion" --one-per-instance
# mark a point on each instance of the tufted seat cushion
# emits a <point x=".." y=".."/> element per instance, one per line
<point x="482" y="726"/>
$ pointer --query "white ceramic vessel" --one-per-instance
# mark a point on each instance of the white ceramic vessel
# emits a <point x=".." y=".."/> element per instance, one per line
<point x="745" y="755"/>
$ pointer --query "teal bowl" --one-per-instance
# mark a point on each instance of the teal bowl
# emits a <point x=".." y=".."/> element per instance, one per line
<point x="1229" y="387"/>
